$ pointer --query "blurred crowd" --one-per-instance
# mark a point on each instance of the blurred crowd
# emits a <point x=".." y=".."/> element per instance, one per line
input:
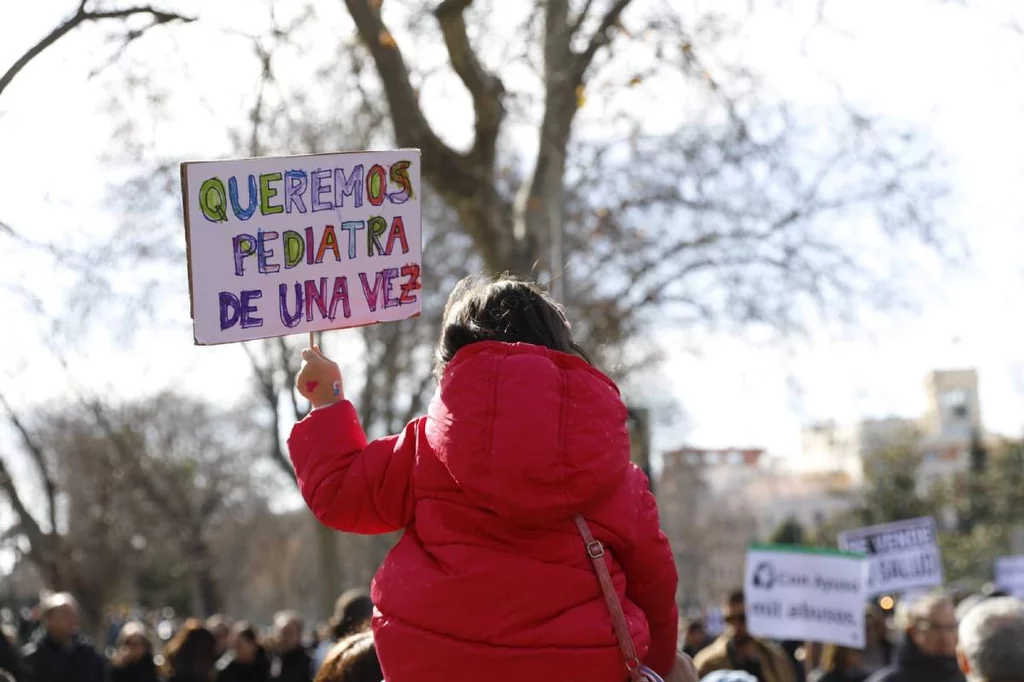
<point x="48" y="646"/>
<point x="932" y="638"/>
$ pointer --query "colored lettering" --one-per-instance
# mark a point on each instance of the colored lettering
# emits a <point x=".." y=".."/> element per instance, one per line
<point x="348" y="186"/>
<point x="375" y="227"/>
<point x="376" y="184"/>
<point x="389" y="299"/>
<point x="242" y="213"/>
<point x="309" y="245"/>
<point x="318" y="188"/>
<point x="397" y="233"/>
<point x="352" y="227"/>
<point x="293" y="248"/>
<point x="340" y="295"/>
<point x="372" y="294"/>
<point x="295" y="183"/>
<point x="267" y="193"/>
<point x="289" y="319"/>
<point x="263" y="253"/>
<point x="400" y="176"/>
<point x="328" y="240"/>
<point x="412" y="283"/>
<point x="315" y="295"/>
<point x="249" y="320"/>
<point x="244" y="245"/>
<point x="212" y="201"/>
<point x="230" y="310"/>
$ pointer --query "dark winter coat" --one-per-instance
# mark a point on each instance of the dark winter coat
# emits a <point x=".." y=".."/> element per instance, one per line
<point x="913" y="665"/>
<point x="140" y="671"/>
<point x="10" y="660"/>
<point x="293" y="666"/>
<point x="230" y="670"/>
<point x="819" y="676"/>
<point x="48" y="661"/>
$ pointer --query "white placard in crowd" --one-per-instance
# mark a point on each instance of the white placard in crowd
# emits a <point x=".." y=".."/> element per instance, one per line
<point x="901" y="555"/>
<point x="806" y="594"/>
<point x="1009" y="574"/>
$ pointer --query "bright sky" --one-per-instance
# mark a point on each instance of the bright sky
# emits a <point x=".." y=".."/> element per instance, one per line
<point x="952" y="72"/>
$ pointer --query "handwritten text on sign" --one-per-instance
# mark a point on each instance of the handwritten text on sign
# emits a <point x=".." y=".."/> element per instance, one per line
<point x="901" y="556"/>
<point x="285" y="245"/>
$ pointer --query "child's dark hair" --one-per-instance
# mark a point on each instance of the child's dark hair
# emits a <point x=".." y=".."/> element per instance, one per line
<point x="501" y="309"/>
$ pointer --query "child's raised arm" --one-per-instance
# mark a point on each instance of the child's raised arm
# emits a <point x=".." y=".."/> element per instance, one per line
<point x="348" y="484"/>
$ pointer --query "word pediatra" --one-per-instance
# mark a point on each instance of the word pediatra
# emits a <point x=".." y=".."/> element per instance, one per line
<point x="286" y="245"/>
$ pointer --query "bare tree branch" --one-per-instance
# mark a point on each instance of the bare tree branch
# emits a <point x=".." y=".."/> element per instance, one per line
<point x="35" y="450"/>
<point x="485" y="87"/>
<point x="80" y="17"/>
<point x="601" y="36"/>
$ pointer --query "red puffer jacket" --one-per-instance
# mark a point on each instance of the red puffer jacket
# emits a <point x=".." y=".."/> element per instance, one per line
<point x="491" y="580"/>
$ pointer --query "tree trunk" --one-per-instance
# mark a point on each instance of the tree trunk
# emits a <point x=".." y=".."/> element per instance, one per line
<point x="205" y="595"/>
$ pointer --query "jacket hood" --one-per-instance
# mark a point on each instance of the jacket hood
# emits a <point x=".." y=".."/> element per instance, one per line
<point x="526" y="432"/>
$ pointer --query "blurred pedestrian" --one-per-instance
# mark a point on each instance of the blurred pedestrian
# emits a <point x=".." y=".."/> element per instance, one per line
<point x="928" y="650"/>
<point x="247" y="660"/>
<point x="291" y="662"/>
<point x="59" y="653"/>
<point x="10" y="659"/>
<point x="352" y="614"/>
<point x="737" y="649"/>
<point x="133" y="660"/>
<point x="695" y="638"/>
<point x="190" y="656"/>
<point x="878" y="648"/>
<point x="220" y="626"/>
<point x="991" y="647"/>
<point x="839" y="664"/>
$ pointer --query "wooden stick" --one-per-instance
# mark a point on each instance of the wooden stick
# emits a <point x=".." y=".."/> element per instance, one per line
<point x="312" y="341"/>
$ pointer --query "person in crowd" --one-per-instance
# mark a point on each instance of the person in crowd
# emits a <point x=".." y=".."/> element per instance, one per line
<point x="928" y="650"/>
<point x="191" y="654"/>
<point x="878" y="650"/>
<point x="729" y="676"/>
<point x="220" y="626"/>
<point x="353" y="659"/>
<point x="737" y="649"/>
<point x="991" y="647"/>
<point x="133" y="659"/>
<point x="247" y="660"/>
<point x="352" y="613"/>
<point x="794" y="650"/>
<point x="839" y="664"/>
<point x="291" y="662"/>
<point x="491" y="577"/>
<point x="10" y="659"/>
<point x="59" y="653"/>
<point x="696" y="638"/>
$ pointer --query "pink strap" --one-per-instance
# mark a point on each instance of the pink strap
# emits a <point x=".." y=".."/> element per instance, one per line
<point x="595" y="550"/>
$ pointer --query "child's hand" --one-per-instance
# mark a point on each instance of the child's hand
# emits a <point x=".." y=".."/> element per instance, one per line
<point x="319" y="380"/>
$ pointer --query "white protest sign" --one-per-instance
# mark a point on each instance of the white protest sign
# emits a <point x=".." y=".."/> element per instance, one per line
<point x="806" y="594"/>
<point x="287" y="245"/>
<point x="901" y="556"/>
<point x="1009" y="574"/>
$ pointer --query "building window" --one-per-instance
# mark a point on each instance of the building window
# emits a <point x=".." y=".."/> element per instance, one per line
<point x="693" y="459"/>
<point x="735" y="458"/>
<point x="931" y="457"/>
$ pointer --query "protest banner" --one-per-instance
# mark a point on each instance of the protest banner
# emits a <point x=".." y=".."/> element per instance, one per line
<point x="811" y="595"/>
<point x="901" y="556"/>
<point x="1009" y="575"/>
<point x="296" y="244"/>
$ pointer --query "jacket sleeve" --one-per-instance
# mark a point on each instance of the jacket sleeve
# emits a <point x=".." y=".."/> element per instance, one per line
<point x="349" y="484"/>
<point x="651" y="583"/>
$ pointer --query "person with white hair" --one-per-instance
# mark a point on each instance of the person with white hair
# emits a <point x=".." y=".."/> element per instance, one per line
<point x="60" y="654"/>
<point x="928" y="650"/>
<point x="991" y="647"/>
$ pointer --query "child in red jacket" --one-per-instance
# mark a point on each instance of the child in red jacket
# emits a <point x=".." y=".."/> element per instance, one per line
<point x="491" y="580"/>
